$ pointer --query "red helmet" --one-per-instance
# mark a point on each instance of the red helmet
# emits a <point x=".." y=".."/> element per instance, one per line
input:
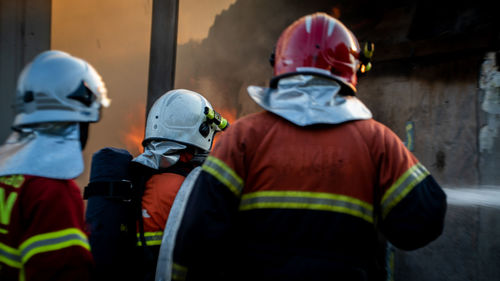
<point x="321" y="44"/>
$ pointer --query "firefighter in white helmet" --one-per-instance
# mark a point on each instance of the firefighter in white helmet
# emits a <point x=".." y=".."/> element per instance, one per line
<point x="42" y="232"/>
<point x="180" y="130"/>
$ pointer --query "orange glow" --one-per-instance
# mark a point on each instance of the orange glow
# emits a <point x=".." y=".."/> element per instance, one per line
<point x="229" y="115"/>
<point x="335" y="12"/>
<point x="135" y="133"/>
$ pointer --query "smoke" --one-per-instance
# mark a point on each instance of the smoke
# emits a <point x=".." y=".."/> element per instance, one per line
<point x="196" y="17"/>
<point x="235" y="53"/>
<point x="114" y="36"/>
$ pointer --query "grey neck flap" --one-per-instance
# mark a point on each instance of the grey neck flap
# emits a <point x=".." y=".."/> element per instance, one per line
<point x="306" y="100"/>
<point x="160" y="154"/>
<point x="47" y="150"/>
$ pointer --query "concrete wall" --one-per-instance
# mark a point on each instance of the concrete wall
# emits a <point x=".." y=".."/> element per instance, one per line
<point x="469" y="249"/>
<point x="456" y="138"/>
<point x="440" y="96"/>
<point x="24" y="32"/>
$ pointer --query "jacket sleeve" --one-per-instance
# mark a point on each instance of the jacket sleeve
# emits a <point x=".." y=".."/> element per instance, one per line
<point x="205" y="231"/>
<point x="412" y="204"/>
<point x="54" y="245"/>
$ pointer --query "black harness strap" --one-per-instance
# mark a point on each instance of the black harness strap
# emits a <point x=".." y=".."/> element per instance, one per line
<point x="113" y="189"/>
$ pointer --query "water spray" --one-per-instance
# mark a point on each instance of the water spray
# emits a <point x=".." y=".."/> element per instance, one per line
<point x="483" y="196"/>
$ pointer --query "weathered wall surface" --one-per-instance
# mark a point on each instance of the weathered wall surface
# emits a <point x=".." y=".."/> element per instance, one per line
<point x="24" y="32"/>
<point x="489" y="119"/>
<point x="469" y="249"/>
<point x="440" y="97"/>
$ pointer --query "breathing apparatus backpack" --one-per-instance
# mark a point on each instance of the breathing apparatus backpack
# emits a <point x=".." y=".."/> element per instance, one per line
<point x="110" y="214"/>
<point x="114" y="215"/>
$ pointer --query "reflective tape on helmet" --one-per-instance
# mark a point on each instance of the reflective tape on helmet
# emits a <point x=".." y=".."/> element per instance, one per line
<point x="151" y="238"/>
<point x="52" y="241"/>
<point x="307" y="200"/>
<point x="215" y="117"/>
<point x="224" y="174"/>
<point x="368" y="49"/>
<point x="179" y="272"/>
<point x="10" y="256"/>
<point x="403" y="185"/>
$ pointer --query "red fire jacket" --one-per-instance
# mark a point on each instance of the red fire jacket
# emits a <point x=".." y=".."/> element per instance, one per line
<point x="276" y="201"/>
<point x="42" y="230"/>
<point x="159" y="195"/>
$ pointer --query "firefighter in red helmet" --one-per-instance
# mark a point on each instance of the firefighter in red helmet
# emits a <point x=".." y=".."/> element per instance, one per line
<point x="299" y="191"/>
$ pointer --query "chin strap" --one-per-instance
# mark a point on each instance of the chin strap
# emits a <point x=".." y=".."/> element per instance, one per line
<point x="84" y="133"/>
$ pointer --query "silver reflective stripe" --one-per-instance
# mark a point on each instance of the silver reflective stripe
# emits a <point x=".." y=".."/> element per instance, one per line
<point x="403" y="186"/>
<point x="222" y="172"/>
<point x="307" y="200"/>
<point x="48" y="243"/>
<point x="9" y="258"/>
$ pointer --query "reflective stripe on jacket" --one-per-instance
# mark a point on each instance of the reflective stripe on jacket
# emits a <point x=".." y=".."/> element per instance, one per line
<point x="42" y="230"/>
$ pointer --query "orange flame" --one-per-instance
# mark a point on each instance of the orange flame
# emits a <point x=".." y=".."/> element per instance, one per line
<point x="135" y="133"/>
<point x="335" y="12"/>
<point x="229" y="115"/>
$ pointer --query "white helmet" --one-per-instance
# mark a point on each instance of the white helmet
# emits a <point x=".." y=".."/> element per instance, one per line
<point x="57" y="87"/>
<point x="183" y="116"/>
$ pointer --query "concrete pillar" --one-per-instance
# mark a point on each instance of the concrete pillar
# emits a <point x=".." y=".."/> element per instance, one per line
<point x="24" y="32"/>
<point x="163" y="49"/>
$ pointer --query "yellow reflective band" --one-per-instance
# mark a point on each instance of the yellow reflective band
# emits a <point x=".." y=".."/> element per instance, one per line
<point x="14" y="180"/>
<point x="179" y="272"/>
<point x="402" y="187"/>
<point x="3" y="231"/>
<point x="224" y="174"/>
<point x="6" y="206"/>
<point x="52" y="241"/>
<point x="10" y="256"/>
<point x="152" y="238"/>
<point x="22" y="275"/>
<point x="307" y="200"/>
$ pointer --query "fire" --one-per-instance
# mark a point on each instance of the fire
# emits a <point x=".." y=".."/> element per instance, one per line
<point x="135" y="133"/>
<point x="229" y="115"/>
<point x="335" y="12"/>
